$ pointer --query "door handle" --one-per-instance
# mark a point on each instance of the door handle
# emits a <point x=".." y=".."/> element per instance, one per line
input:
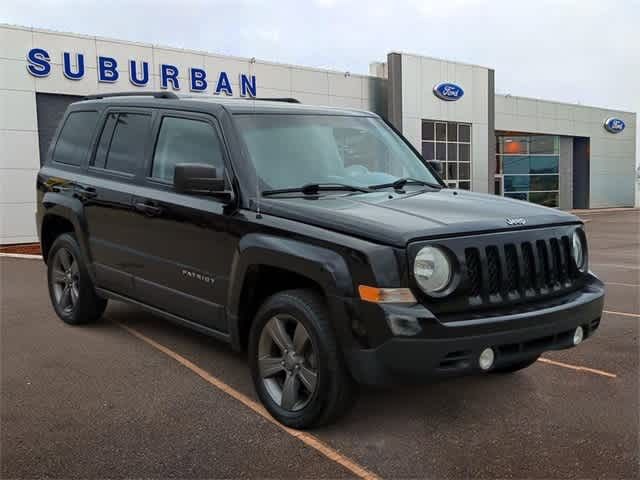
<point x="148" y="209"/>
<point x="85" y="193"/>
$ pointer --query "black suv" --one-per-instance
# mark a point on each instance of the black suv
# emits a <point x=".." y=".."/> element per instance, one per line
<point x="315" y="238"/>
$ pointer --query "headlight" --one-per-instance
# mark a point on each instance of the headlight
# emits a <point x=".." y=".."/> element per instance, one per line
<point x="577" y="251"/>
<point x="432" y="269"/>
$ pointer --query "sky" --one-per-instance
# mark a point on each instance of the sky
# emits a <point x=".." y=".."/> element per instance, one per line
<point x="581" y="51"/>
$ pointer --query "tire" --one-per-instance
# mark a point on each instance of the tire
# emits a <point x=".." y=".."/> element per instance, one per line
<point x="514" y="367"/>
<point x="314" y="349"/>
<point x="70" y="287"/>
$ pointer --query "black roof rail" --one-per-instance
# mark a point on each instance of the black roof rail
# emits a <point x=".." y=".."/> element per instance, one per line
<point x="98" y="96"/>
<point x="283" y="99"/>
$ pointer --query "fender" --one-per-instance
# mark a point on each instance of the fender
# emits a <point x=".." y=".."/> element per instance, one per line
<point x="325" y="267"/>
<point x="70" y="209"/>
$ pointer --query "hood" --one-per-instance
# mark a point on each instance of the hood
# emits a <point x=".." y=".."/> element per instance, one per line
<point x="396" y="219"/>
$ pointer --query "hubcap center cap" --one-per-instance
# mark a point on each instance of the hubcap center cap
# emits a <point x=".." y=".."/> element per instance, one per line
<point x="290" y="360"/>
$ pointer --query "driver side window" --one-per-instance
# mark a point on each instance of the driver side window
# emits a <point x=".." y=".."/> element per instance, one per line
<point x="184" y="140"/>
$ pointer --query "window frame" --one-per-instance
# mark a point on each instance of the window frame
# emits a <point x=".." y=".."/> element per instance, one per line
<point x="115" y="174"/>
<point x="147" y="174"/>
<point x="88" y="154"/>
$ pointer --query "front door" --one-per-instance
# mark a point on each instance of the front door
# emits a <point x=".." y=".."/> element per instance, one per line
<point x="184" y="238"/>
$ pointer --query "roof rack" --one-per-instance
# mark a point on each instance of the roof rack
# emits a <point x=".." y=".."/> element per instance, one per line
<point x="98" y="96"/>
<point x="283" y="99"/>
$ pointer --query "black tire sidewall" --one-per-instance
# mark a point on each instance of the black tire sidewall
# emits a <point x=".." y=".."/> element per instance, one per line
<point x="86" y="298"/>
<point x="290" y="304"/>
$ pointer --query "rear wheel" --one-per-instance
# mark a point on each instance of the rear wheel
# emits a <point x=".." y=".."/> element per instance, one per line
<point x="297" y="368"/>
<point x="514" y="367"/>
<point x="70" y="288"/>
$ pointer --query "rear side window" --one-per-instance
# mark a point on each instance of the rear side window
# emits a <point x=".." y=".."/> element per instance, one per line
<point x="122" y="143"/>
<point x="183" y="140"/>
<point x="75" y="138"/>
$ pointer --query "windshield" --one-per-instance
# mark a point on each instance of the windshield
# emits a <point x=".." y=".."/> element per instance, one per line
<point x="288" y="151"/>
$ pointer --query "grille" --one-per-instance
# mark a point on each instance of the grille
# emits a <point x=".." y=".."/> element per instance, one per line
<point x="525" y="268"/>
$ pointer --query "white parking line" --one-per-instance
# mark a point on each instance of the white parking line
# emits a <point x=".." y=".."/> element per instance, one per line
<point x="578" y="368"/>
<point x="624" y="314"/>
<point x="21" y="255"/>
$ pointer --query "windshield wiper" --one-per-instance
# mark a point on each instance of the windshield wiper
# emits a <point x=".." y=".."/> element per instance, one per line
<point x="401" y="182"/>
<point x="314" y="188"/>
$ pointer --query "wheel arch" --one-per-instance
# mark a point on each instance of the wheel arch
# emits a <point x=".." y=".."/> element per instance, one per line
<point x="266" y="264"/>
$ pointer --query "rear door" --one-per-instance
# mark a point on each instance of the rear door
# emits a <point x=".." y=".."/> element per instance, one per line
<point x="114" y="169"/>
<point x="185" y="239"/>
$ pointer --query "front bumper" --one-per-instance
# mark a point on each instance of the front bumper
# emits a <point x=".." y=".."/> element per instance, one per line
<point x="437" y="349"/>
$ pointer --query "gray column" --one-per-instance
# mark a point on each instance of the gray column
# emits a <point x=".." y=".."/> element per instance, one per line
<point x="565" y="169"/>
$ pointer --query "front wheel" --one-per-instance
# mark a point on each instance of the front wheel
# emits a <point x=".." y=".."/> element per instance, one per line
<point x="72" y="293"/>
<point x="296" y="365"/>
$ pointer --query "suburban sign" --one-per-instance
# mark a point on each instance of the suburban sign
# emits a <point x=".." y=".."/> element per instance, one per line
<point x="108" y="71"/>
<point x="614" y="125"/>
<point x="448" y="91"/>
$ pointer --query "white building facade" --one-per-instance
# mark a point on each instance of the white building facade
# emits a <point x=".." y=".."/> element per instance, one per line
<point x="561" y="155"/>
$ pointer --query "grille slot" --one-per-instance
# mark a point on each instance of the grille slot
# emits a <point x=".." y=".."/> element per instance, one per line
<point x="493" y="265"/>
<point x="511" y="258"/>
<point x="473" y="271"/>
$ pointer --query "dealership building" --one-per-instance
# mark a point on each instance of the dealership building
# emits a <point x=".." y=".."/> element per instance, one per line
<point x="556" y="154"/>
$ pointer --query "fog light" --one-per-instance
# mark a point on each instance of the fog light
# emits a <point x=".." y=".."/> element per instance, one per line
<point x="578" y="336"/>
<point x="486" y="359"/>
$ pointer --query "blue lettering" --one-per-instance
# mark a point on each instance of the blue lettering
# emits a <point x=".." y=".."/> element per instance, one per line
<point x="198" y="80"/>
<point x="247" y="85"/>
<point x="224" y="84"/>
<point x="39" y="65"/>
<point x="133" y="73"/>
<point x="107" y="70"/>
<point x="169" y="73"/>
<point x="67" y="67"/>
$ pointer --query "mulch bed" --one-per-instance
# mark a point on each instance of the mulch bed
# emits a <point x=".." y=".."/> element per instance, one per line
<point x="24" y="248"/>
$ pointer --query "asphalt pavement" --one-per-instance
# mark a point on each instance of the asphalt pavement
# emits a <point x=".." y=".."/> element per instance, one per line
<point x="97" y="401"/>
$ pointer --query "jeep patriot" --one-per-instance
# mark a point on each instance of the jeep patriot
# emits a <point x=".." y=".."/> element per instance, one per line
<point x="315" y="239"/>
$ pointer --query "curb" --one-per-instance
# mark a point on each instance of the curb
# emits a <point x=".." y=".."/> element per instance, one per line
<point x="21" y="255"/>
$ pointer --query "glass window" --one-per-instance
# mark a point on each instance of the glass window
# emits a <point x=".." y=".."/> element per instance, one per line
<point x="544" y="164"/>
<point x="105" y="141"/>
<point x="514" y="145"/>
<point x="452" y="132"/>
<point x="441" y="132"/>
<point x="464" y="133"/>
<point x="75" y="138"/>
<point x="441" y="151"/>
<point x="428" y="150"/>
<point x="543" y="182"/>
<point x="288" y="151"/>
<point x="452" y="170"/>
<point x="465" y="171"/>
<point x="515" y="183"/>
<point x="427" y="131"/>
<point x="183" y="140"/>
<point x="464" y="152"/>
<point x="518" y="195"/>
<point x="452" y="152"/>
<point x="541" y="144"/>
<point x="548" y="199"/>
<point x="464" y="185"/>
<point x="126" y="152"/>
<point x="515" y="164"/>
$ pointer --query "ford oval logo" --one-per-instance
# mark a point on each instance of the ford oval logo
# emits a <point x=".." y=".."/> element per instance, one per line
<point x="614" y="125"/>
<point x="448" y="91"/>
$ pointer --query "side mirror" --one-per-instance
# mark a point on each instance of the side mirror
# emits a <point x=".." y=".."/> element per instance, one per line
<point x="199" y="179"/>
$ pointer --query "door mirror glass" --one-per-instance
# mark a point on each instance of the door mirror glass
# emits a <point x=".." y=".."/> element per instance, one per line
<point x="198" y="179"/>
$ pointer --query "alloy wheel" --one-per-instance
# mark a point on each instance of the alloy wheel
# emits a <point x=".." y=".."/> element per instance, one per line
<point x="287" y="362"/>
<point x="65" y="280"/>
